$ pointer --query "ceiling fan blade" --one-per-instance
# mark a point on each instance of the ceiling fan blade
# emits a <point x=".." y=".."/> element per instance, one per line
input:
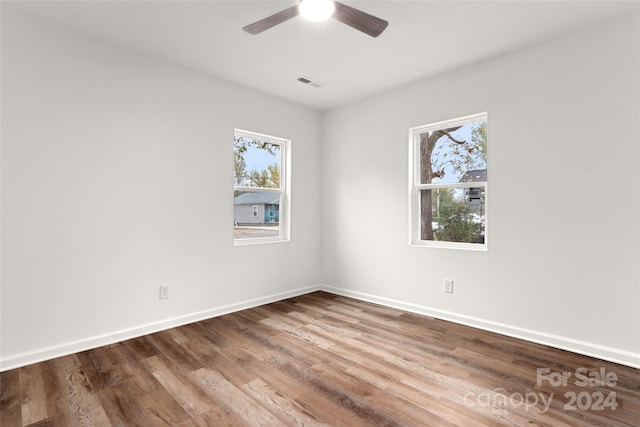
<point x="271" y="21"/>
<point x="359" y="20"/>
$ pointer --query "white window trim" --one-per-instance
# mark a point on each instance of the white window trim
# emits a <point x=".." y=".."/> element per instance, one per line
<point x="415" y="186"/>
<point x="284" y="226"/>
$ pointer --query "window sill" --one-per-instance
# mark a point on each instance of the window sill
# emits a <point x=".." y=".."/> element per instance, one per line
<point x="481" y="247"/>
<point x="258" y="241"/>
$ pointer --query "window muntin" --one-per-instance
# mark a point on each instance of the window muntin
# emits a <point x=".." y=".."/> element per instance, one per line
<point x="261" y="188"/>
<point x="448" y="183"/>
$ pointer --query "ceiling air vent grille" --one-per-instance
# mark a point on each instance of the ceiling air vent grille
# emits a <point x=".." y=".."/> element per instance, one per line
<point x="310" y="82"/>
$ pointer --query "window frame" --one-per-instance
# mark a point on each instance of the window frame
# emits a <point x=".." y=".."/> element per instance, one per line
<point x="415" y="186"/>
<point x="284" y="224"/>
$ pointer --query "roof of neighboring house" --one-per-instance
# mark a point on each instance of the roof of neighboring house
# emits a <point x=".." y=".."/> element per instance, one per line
<point x="475" y="175"/>
<point x="258" y="199"/>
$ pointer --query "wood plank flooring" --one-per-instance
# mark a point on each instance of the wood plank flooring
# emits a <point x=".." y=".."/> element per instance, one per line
<point x="321" y="360"/>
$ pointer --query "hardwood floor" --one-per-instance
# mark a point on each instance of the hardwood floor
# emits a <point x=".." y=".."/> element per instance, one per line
<point x="322" y="359"/>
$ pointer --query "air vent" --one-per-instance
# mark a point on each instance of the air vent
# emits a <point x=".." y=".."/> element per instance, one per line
<point x="310" y="82"/>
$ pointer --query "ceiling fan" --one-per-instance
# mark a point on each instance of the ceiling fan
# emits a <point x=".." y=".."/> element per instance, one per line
<point x="319" y="10"/>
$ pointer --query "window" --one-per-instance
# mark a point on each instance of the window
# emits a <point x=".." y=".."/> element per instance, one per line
<point x="261" y="188"/>
<point x="448" y="183"/>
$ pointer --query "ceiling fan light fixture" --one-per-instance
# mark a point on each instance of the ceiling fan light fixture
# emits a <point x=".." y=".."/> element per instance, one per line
<point x="317" y="10"/>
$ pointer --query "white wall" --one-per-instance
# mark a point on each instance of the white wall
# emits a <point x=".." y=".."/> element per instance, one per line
<point x="117" y="177"/>
<point x="564" y="191"/>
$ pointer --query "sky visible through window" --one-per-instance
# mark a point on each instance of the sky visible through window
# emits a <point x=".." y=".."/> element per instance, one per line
<point x="259" y="159"/>
<point x="446" y="153"/>
<point x="258" y="213"/>
<point x="257" y="163"/>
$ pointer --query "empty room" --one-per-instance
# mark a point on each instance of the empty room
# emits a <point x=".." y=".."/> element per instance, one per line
<point x="320" y="213"/>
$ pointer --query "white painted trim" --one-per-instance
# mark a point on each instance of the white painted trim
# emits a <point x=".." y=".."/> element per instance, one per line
<point x="284" y="227"/>
<point x="415" y="186"/>
<point x="444" y="124"/>
<point x="610" y="354"/>
<point x="51" y="352"/>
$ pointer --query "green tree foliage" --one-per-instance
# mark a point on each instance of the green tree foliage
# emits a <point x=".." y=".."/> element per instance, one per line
<point x="455" y="219"/>
<point x="479" y="139"/>
<point x="239" y="168"/>
<point x="274" y="173"/>
<point x="442" y="152"/>
<point x="266" y="178"/>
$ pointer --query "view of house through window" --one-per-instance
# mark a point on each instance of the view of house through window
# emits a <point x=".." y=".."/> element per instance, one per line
<point x="449" y="183"/>
<point x="260" y="190"/>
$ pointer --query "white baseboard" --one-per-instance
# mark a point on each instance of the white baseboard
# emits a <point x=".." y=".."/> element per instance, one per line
<point x="27" y="358"/>
<point x="611" y="354"/>
<point x="598" y="351"/>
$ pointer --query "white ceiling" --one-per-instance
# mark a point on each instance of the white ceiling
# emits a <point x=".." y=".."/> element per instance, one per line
<point x="423" y="38"/>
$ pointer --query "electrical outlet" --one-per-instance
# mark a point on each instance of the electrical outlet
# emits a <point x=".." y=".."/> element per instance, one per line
<point x="448" y="286"/>
<point x="164" y="292"/>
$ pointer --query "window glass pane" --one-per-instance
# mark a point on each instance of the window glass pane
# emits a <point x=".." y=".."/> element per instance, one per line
<point x="454" y="154"/>
<point x="456" y="215"/>
<point x="450" y="172"/>
<point x="256" y="214"/>
<point x="256" y="163"/>
<point x="261" y="188"/>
